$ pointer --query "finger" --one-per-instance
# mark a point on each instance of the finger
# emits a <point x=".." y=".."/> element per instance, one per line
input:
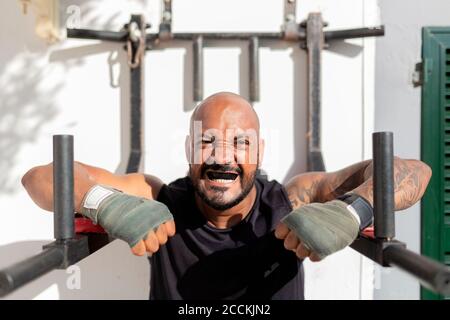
<point x="170" y="227"/>
<point x="314" y="257"/>
<point x="281" y="231"/>
<point x="161" y="234"/>
<point x="291" y="242"/>
<point x="302" y="252"/>
<point x="151" y="242"/>
<point x="139" y="249"/>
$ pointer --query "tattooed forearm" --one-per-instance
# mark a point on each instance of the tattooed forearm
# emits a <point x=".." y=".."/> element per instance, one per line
<point x="304" y="189"/>
<point x="411" y="178"/>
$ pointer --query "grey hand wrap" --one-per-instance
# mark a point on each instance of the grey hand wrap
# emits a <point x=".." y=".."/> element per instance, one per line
<point x="125" y="217"/>
<point x="323" y="228"/>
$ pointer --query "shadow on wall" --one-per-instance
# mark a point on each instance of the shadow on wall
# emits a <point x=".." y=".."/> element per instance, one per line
<point x="25" y="106"/>
<point x="117" y="62"/>
<point x="90" y="279"/>
<point x="26" y="103"/>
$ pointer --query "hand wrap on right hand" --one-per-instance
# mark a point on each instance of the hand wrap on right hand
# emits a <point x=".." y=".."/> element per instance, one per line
<point x="123" y="216"/>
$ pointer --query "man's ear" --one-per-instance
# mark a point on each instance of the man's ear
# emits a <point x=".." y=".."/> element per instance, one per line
<point x="261" y="152"/>
<point x="188" y="149"/>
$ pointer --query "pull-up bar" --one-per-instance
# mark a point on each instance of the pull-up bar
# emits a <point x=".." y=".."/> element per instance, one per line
<point x="67" y="248"/>
<point x="381" y="246"/>
<point x="308" y="34"/>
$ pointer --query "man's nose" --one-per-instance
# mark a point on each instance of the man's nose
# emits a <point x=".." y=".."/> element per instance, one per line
<point x="223" y="153"/>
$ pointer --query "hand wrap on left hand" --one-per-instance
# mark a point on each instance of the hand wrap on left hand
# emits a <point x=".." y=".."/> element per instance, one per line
<point x="324" y="228"/>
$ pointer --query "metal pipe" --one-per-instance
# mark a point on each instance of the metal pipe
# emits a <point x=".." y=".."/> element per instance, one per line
<point x="136" y="106"/>
<point x="25" y="271"/>
<point x="431" y="274"/>
<point x="63" y="203"/>
<point x="198" y="68"/>
<point x="253" y="52"/>
<point x="221" y="36"/>
<point x="116" y="36"/>
<point x="354" y="33"/>
<point x="121" y="36"/>
<point x="383" y="185"/>
<point x="314" y="45"/>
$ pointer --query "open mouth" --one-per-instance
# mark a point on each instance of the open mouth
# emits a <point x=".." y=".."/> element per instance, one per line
<point x="222" y="176"/>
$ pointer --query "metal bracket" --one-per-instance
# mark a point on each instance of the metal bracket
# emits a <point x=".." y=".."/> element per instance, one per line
<point x="418" y="75"/>
<point x="73" y="250"/>
<point x="165" y="27"/>
<point x="290" y="27"/>
<point x="373" y="248"/>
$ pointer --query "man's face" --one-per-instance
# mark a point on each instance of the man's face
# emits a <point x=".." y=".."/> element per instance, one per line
<point x="224" y="158"/>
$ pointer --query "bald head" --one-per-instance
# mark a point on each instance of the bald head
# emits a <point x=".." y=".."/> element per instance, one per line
<point x="224" y="150"/>
<point x="226" y="110"/>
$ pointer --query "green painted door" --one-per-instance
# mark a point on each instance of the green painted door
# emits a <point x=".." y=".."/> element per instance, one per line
<point x="436" y="146"/>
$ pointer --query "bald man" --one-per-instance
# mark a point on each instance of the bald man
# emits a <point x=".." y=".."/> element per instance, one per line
<point x="238" y="235"/>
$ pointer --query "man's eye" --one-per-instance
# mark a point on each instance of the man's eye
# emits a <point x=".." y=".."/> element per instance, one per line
<point x="243" y="142"/>
<point x="207" y="141"/>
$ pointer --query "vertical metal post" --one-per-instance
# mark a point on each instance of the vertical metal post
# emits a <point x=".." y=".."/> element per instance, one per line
<point x="136" y="103"/>
<point x="314" y="45"/>
<point x="63" y="203"/>
<point x="383" y="185"/>
<point x="198" y="68"/>
<point x="165" y="27"/>
<point x="290" y="26"/>
<point x="253" y="52"/>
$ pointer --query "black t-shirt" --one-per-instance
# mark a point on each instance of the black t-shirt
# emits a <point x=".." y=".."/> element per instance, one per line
<point x="242" y="262"/>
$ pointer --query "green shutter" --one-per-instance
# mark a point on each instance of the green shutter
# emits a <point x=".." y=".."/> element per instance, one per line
<point x="436" y="146"/>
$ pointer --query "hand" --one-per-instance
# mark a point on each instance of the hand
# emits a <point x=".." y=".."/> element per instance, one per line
<point x="293" y="243"/>
<point x="317" y="230"/>
<point x="154" y="239"/>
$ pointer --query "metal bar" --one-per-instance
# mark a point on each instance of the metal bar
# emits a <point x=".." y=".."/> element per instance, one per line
<point x="136" y="105"/>
<point x="220" y="36"/>
<point x="314" y="45"/>
<point x="121" y="36"/>
<point x="431" y="274"/>
<point x="393" y="253"/>
<point x="354" y="33"/>
<point x="198" y="68"/>
<point x="116" y="36"/>
<point x="25" y="271"/>
<point x="383" y="185"/>
<point x="63" y="203"/>
<point x="253" y="52"/>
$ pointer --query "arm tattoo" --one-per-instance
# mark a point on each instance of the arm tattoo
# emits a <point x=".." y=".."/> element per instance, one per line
<point x="300" y="195"/>
<point x="411" y="178"/>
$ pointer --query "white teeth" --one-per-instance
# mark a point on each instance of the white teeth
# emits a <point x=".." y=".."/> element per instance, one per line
<point x="222" y="180"/>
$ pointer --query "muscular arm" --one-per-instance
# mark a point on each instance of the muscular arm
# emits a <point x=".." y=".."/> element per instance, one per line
<point x="411" y="178"/>
<point x="38" y="182"/>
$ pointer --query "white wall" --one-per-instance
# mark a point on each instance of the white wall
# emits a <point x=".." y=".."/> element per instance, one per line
<point x="81" y="87"/>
